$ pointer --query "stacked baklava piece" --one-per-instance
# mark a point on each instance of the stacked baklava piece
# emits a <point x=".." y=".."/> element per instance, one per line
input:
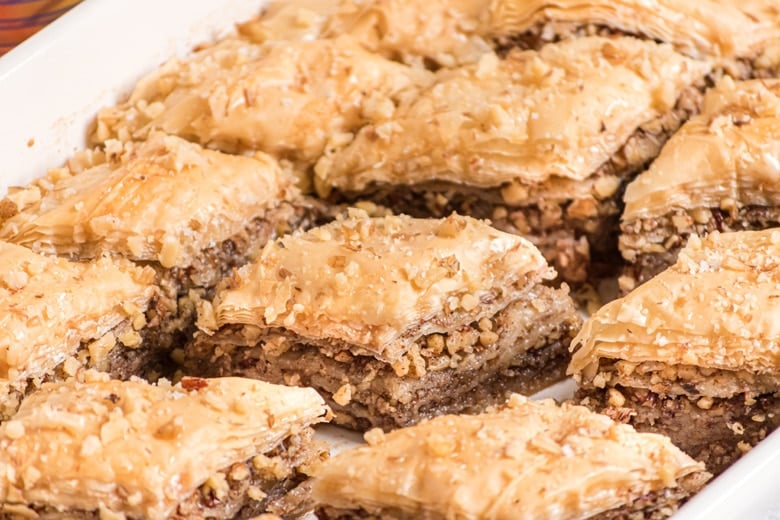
<point x="371" y="212"/>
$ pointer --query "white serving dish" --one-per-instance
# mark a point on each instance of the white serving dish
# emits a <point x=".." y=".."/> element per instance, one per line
<point x="52" y="86"/>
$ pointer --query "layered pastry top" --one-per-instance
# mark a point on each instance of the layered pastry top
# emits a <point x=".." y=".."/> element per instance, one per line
<point x="534" y="116"/>
<point x="49" y="306"/>
<point x="285" y="98"/>
<point x="163" y="200"/>
<point x="728" y="152"/>
<point x="699" y="28"/>
<point x="527" y="459"/>
<point x="444" y="31"/>
<point x="716" y="310"/>
<point x="140" y="449"/>
<point x="381" y="283"/>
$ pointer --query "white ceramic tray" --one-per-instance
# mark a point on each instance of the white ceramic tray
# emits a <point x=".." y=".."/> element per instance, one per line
<point x="52" y="86"/>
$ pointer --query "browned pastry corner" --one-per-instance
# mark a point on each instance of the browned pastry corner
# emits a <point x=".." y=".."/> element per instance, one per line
<point x="392" y="319"/>
<point x="57" y="317"/>
<point x="525" y="460"/>
<point x="96" y="448"/>
<point x="192" y="214"/>
<point x="692" y="352"/>
<point x="719" y="172"/>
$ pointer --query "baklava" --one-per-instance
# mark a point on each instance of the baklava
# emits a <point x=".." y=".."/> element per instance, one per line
<point x="193" y="214"/>
<point x="288" y="99"/>
<point x="735" y="34"/>
<point x="205" y="448"/>
<point x="692" y="353"/>
<point x="392" y="319"/>
<point x="719" y="172"/>
<point x="57" y="317"/>
<point x="430" y="33"/>
<point x="525" y="460"/>
<point x="538" y="142"/>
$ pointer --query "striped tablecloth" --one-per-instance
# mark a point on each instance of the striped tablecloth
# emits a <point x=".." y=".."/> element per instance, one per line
<point x="20" y="19"/>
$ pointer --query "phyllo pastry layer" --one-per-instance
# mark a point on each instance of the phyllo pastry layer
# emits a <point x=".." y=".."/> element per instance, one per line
<point x="719" y="172"/>
<point x="193" y="214"/>
<point x="217" y="448"/>
<point x="392" y="319"/>
<point x="285" y="98"/>
<point x="58" y="316"/>
<point x="420" y="32"/>
<point x="523" y="460"/>
<point x="539" y="142"/>
<point x="731" y="32"/>
<point x="693" y="352"/>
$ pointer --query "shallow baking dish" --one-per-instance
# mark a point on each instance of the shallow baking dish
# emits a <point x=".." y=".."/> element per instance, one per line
<point x="53" y="84"/>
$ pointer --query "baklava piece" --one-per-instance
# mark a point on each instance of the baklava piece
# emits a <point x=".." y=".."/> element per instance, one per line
<point x="538" y="142"/>
<point x="693" y="352"/>
<point x="734" y="34"/>
<point x="719" y="172"/>
<point x="525" y="460"/>
<point x="431" y="33"/>
<point x="392" y="319"/>
<point x="284" y="98"/>
<point x="193" y="214"/>
<point x="205" y="448"/>
<point x="57" y="317"/>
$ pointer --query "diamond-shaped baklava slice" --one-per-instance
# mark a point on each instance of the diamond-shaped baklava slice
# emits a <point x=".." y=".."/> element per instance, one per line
<point x="58" y="316"/>
<point x="392" y="319"/>
<point x="538" y="142"/>
<point x="735" y="34"/>
<point x="693" y="353"/>
<point x="193" y="214"/>
<point x="721" y="171"/>
<point x="428" y="32"/>
<point x="285" y="98"/>
<point x="524" y="460"/>
<point x="205" y="448"/>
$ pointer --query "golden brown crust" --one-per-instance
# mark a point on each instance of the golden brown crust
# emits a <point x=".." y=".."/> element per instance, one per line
<point x="699" y="28"/>
<point x="139" y="449"/>
<point x="727" y="153"/>
<point x="49" y="306"/>
<point x="525" y="460"/>
<point x="533" y="117"/>
<point x="163" y="200"/>
<point x="444" y="31"/>
<point x="368" y="281"/>
<point x="717" y="308"/>
<point x="284" y="98"/>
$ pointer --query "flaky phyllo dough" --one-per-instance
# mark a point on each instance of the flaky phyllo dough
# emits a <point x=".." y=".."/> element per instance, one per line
<point x="284" y="98"/>
<point x="714" y="309"/>
<point x="524" y="460"/>
<point x="165" y="200"/>
<point x="719" y="172"/>
<point x="392" y="319"/>
<point x="723" y="30"/>
<point x="446" y="32"/>
<point x="57" y="316"/>
<point x="693" y="353"/>
<point x="380" y="283"/>
<point x="532" y="118"/>
<point x="539" y="142"/>
<point x="97" y="446"/>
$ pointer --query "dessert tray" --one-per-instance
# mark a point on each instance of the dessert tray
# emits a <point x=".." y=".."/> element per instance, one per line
<point x="53" y="85"/>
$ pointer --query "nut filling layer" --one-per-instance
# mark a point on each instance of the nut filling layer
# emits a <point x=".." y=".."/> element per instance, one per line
<point x="692" y="353"/>
<point x="392" y="319"/>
